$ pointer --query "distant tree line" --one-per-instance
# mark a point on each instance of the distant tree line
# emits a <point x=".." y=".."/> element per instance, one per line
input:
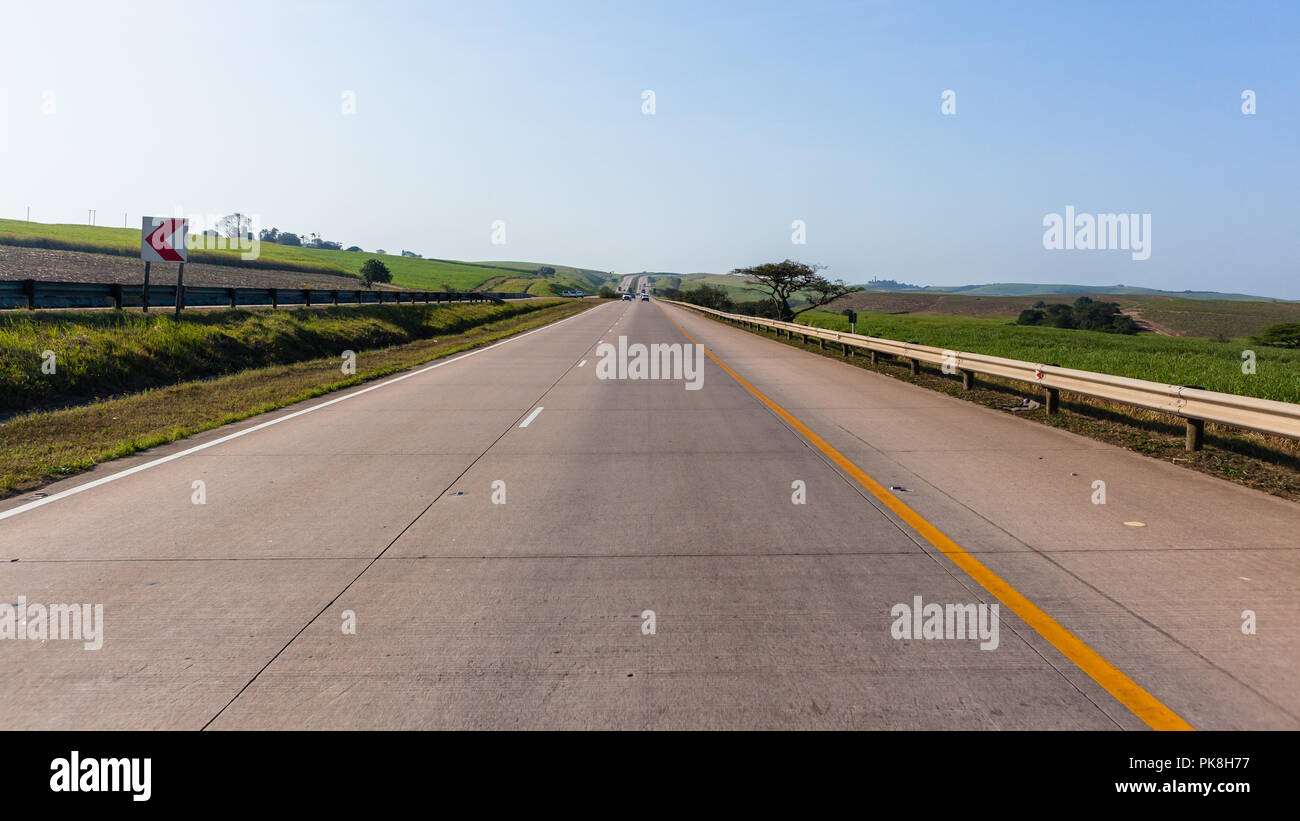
<point x="312" y="240"/>
<point x="1085" y="314"/>
<point x="891" y="285"/>
<point x="717" y="298"/>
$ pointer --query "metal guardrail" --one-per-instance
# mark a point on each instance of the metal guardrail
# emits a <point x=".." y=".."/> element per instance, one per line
<point x="1195" y="405"/>
<point x="35" y="293"/>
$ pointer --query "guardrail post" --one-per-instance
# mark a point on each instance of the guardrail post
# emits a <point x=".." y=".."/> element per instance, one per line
<point x="117" y="295"/>
<point x="915" y="366"/>
<point x="1053" y="400"/>
<point x="29" y="291"/>
<point x="968" y="379"/>
<point x="275" y="298"/>
<point x="1195" y="433"/>
<point x="848" y="350"/>
<point x="230" y="292"/>
<point x="306" y="297"/>
<point x="334" y="294"/>
<point x="180" y="289"/>
<point x="821" y="343"/>
<point x="874" y="360"/>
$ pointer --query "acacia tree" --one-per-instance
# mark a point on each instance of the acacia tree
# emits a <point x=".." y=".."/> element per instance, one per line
<point x="784" y="280"/>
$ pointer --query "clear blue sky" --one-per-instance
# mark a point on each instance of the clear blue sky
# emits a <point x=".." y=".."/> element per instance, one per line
<point x="531" y="112"/>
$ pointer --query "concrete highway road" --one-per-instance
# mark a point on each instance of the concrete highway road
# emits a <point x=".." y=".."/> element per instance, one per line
<point x="499" y="526"/>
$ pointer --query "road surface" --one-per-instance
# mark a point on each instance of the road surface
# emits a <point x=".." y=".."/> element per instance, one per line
<point x="626" y="496"/>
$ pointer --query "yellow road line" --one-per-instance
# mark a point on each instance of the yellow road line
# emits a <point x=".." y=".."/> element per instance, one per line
<point x="1143" y="705"/>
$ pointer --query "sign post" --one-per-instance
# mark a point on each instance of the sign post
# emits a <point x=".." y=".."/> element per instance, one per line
<point x="162" y="239"/>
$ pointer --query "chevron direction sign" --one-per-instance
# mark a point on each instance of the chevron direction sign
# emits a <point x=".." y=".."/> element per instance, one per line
<point x="162" y="239"/>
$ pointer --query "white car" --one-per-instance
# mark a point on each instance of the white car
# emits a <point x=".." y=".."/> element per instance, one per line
<point x="645" y="297"/>
<point x="626" y="295"/>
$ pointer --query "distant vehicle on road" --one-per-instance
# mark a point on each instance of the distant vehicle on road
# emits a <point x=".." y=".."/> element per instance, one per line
<point x="645" y="297"/>
<point x="626" y="295"/>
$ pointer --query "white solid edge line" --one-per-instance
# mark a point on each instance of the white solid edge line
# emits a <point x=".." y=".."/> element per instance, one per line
<point x="72" y="491"/>
<point x="531" y="417"/>
<point x="583" y="362"/>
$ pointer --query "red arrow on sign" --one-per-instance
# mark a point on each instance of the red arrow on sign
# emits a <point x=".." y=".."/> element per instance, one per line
<point x="162" y="237"/>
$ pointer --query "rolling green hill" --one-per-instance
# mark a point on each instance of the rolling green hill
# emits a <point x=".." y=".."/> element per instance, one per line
<point x="1037" y="289"/>
<point x="408" y="272"/>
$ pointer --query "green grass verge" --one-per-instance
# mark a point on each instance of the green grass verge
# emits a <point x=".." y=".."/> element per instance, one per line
<point x="102" y="354"/>
<point x="1215" y="366"/>
<point x="40" y="447"/>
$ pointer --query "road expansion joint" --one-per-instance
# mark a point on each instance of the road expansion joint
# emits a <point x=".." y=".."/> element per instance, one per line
<point x="371" y="563"/>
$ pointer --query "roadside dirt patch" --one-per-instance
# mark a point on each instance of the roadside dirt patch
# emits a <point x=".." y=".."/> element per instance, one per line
<point x="1146" y="324"/>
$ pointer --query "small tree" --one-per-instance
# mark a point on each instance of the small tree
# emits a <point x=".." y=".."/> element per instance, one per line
<point x="235" y="226"/>
<point x="783" y="280"/>
<point x="373" y="271"/>
<point x="607" y="292"/>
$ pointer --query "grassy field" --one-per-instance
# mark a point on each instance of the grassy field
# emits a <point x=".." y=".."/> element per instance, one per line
<point x="1214" y="318"/>
<point x="40" y="447"/>
<point x="1173" y="360"/>
<point x="566" y="270"/>
<point x="1175" y="316"/>
<point x="422" y="274"/>
<point x="735" y="286"/>
<point x="101" y="354"/>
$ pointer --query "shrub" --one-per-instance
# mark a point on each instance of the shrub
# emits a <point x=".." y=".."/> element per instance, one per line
<point x="1282" y="335"/>
<point x="708" y="296"/>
